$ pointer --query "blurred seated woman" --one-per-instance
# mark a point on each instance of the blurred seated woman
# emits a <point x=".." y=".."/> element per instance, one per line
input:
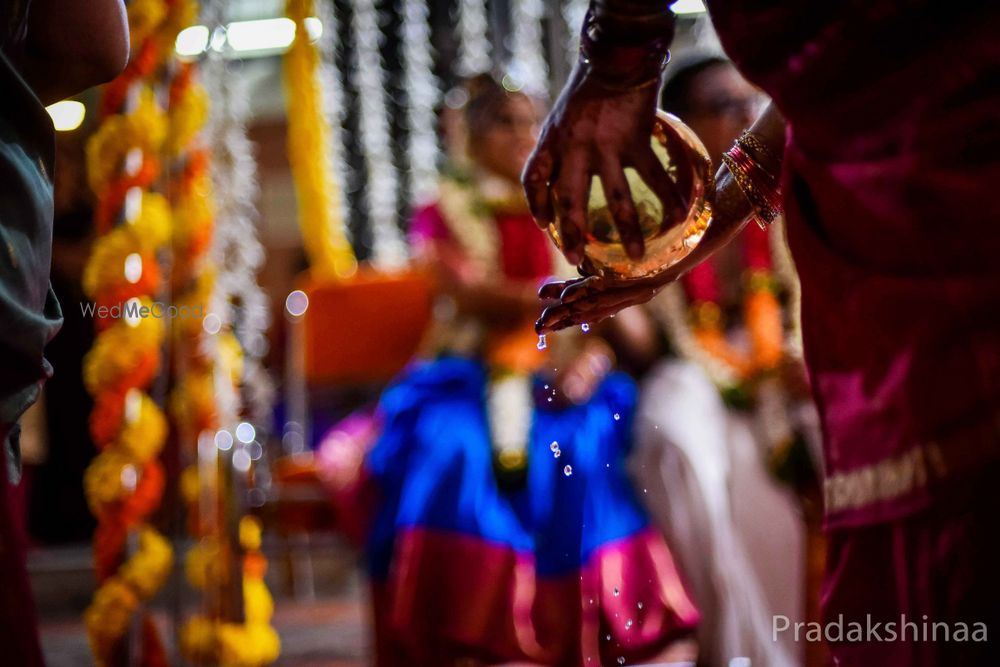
<point x="489" y="486"/>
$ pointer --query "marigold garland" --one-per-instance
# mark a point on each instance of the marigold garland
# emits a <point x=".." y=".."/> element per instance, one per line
<point x="251" y="643"/>
<point x="698" y="330"/>
<point x="202" y="360"/>
<point x="124" y="483"/>
<point x="308" y="136"/>
<point x="109" y="615"/>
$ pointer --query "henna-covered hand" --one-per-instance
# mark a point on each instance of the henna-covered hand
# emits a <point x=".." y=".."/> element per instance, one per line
<point x="592" y="299"/>
<point x="595" y="128"/>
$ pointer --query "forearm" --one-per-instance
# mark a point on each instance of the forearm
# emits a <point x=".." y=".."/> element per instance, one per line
<point x="72" y="45"/>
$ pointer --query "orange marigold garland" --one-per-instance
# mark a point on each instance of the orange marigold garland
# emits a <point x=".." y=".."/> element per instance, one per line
<point x="124" y="483"/>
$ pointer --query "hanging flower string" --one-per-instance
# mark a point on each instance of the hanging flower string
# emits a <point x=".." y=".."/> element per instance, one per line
<point x="210" y="362"/>
<point x="528" y="65"/>
<point x="124" y="483"/>
<point x="308" y="130"/>
<point x="213" y="642"/>
<point x="389" y="249"/>
<point x="473" y="46"/>
<point x="693" y="316"/>
<point x="424" y="94"/>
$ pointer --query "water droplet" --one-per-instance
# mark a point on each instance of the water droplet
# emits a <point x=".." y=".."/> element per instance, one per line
<point x="568" y="470"/>
<point x="640" y="605"/>
<point x="584" y="327"/>
<point x="546" y="386"/>
<point x="554" y="446"/>
<point x="617" y="416"/>
<point x="556" y="454"/>
<point x="541" y="342"/>
<point x="608" y="637"/>
<point x="549" y="399"/>
<point x="628" y="624"/>
<point x="621" y="660"/>
<point x="616" y="592"/>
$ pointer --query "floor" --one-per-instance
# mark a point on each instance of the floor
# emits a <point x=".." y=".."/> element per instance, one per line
<point x="326" y="628"/>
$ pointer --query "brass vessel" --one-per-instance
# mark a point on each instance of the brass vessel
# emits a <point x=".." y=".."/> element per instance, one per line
<point x="677" y="146"/>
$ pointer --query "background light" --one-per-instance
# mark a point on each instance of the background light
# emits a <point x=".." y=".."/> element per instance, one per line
<point x="296" y="303"/>
<point x="67" y="115"/>
<point x="258" y="37"/>
<point x="688" y="7"/>
<point x="192" y="41"/>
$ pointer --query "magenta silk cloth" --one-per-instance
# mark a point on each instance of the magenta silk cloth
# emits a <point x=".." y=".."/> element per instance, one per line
<point x="892" y="176"/>
<point x="525" y="253"/>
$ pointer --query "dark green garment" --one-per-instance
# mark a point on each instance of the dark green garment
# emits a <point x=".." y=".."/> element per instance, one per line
<point x="29" y="318"/>
<point x="29" y="312"/>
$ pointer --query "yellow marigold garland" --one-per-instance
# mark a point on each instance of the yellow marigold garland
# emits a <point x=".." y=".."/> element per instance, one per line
<point x="144" y="128"/>
<point x="124" y="483"/>
<point x="308" y="137"/>
<point x="249" y="644"/>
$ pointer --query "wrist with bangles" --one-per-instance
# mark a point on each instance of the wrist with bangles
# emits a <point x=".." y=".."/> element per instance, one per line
<point x="759" y="184"/>
<point x="625" y="50"/>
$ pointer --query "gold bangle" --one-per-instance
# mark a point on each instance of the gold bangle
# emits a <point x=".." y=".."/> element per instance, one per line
<point x="763" y="213"/>
<point x="750" y="140"/>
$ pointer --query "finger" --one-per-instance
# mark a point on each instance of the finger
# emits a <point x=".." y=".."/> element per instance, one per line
<point x="581" y="289"/>
<point x="535" y="178"/>
<point x="651" y="170"/>
<point x="554" y="289"/>
<point x="572" y="189"/>
<point x="554" y="318"/>
<point x="619" y="197"/>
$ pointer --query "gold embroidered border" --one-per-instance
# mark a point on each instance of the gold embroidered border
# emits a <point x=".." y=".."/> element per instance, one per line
<point x="885" y="480"/>
<point x="912" y="470"/>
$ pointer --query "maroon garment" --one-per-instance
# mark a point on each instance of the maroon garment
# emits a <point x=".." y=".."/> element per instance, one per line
<point x="937" y="566"/>
<point x="891" y="180"/>
<point x="18" y="629"/>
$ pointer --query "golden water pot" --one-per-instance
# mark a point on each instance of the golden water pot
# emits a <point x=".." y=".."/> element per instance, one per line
<point x="667" y="242"/>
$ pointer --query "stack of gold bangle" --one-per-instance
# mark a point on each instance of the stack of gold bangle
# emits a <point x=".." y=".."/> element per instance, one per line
<point x="759" y="186"/>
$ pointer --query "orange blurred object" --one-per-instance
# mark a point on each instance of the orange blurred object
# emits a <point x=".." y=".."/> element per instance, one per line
<point x="363" y="329"/>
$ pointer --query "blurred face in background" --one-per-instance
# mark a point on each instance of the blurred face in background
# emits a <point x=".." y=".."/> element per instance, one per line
<point x="503" y="145"/>
<point x="721" y="104"/>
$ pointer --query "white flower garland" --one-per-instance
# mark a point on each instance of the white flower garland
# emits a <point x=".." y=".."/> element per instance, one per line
<point x="509" y="405"/>
<point x="334" y="108"/>
<point x="235" y="250"/>
<point x="528" y="66"/>
<point x="424" y="94"/>
<point x="473" y="47"/>
<point x="383" y="182"/>
<point x="573" y="12"/>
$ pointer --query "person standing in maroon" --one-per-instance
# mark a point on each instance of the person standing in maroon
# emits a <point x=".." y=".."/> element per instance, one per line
<point x="49" y="50"/>
<point x="883" y="148"/>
